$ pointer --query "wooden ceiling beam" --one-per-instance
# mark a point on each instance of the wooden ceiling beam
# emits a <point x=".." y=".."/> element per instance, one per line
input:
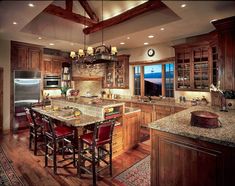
<point x="88" y="10"/>
<point x="60" y="12"/>
<point x="69" y="5"/>
<point x="129" y="14"/>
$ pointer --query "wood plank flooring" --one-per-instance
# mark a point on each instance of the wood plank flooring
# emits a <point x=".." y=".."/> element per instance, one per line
<point x="33" y="173"/>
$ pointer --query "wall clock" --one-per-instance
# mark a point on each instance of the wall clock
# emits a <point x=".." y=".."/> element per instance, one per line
<point x="151" y="52"/>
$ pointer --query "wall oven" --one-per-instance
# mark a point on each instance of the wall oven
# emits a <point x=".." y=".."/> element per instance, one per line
<point x="51" y="81"/>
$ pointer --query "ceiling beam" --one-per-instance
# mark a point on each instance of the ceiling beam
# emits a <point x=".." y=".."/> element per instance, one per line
<point x="69" y="5"/>
<point x="60" y="12"/>
<point x="129" y="14"/>
<point x="88" y="10"/>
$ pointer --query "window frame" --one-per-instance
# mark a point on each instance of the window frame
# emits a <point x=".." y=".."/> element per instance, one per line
<point x="142" y="85"/>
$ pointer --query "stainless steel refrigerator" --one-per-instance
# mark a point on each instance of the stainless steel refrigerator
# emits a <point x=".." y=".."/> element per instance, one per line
<point x="26" y="91"/>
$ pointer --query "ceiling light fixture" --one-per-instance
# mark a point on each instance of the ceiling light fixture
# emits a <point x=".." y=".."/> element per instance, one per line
<point x="150" y="36"/>
<point x="128" y="37"/>
<point x="122" y="43"/>
<point x="162" y="29"/>
<point x="14" y="23"/>
<point x="99" y="54"/>
<point x="40" y="38"/>
<point x="183" y="5"/>
<point x="31" y="5"/>
<point x="51" y="44"/>
<point x="146" y="43"/>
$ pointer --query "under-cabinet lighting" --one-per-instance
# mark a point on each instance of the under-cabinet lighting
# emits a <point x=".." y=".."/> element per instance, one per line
<point x="150" y="36"/>
<point x="146" y="43"/>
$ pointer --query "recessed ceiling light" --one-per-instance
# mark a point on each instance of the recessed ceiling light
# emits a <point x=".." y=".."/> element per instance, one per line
<point x="146" y="43"/>
<point x="162" y="29"/>
<point x="31" y="5"/>
<point x="128" y="37"/>
<point x="15" y="23"/>
<point x="39" y="37"/>
<point x="150" y="36"/>
<point x="122" y="43"/>
<point x="71" y="44"/>
<point x="51" y="44"/>
<point x="213" y="20"/>
<point x="183" y="5"/>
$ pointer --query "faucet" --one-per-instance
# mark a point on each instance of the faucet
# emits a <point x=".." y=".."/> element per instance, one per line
<point x="150" y="99"/>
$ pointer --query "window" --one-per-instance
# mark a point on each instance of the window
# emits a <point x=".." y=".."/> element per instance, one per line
<point x="153" y="80"/>
<point x="137" y="80"/>
<point x="169" y="80"/>
<point x="158" y="80"/>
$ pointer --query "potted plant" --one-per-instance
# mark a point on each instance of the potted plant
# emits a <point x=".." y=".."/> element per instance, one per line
<point x="64" y="90"/>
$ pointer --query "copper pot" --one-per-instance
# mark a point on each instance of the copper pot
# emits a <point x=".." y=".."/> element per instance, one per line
<point x="205" y="119"/>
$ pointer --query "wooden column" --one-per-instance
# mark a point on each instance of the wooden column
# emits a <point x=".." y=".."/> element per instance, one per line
<point x="142" y="81"/>
<point x="1" y="100"/>
<point x="163" y="80"/>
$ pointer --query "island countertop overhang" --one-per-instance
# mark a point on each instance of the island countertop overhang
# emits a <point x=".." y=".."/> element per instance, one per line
<point x="179" y="124"/>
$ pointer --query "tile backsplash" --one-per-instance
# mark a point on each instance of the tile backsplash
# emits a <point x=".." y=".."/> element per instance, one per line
<point x="93" y="87"/>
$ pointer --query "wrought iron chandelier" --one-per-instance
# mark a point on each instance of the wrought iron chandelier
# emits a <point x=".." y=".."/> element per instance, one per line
<point x="99" y="54"/>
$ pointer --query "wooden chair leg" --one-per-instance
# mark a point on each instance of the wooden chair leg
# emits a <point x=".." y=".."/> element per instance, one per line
<point x="46" y="152"/>
<point x="110" y="160"/>
<point x="54" y="157"/>
<point x="79" y="159"/>
<point x="35" y="144"/>
<point x="93" y="167"/>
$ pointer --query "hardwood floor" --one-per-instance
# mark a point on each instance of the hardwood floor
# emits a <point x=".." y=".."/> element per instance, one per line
<point x="33" y="173"/>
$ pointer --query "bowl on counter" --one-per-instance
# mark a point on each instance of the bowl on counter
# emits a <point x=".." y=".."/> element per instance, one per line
<point x="205" y="119"/>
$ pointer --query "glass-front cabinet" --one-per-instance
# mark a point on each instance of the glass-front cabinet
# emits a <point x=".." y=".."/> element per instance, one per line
<point x="193" y="67"/>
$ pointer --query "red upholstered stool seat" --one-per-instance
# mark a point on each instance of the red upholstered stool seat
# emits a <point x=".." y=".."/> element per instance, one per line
<point x="61" y="131"/>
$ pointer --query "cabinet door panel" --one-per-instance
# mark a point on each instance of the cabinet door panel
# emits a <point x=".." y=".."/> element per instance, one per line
<point x="22" y="57"/>
<point x="47" y="66"/>
<point x="183" y="164"/>
<point x="56" y="66"/>
<point x="35" y="59"/>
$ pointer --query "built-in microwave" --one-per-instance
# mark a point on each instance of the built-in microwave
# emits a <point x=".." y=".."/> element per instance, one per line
<point x="52" y="81"/>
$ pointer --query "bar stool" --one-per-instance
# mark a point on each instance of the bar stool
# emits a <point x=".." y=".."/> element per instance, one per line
<point x="36" y="129"/>
<point x="56" y="136"/>
<point x="92" y="148"/>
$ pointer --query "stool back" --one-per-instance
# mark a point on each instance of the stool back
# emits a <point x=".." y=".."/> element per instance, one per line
<point x="49" y="125"/>
<point x="104" y="131"/>
<point x="28" y="116"/>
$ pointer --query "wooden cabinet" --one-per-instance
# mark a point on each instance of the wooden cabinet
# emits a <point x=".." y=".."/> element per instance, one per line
<point x="25" y="56"/>
<point x="131" y="130"/>
<point x="117" y="73"/>
<point x="146" y="114"/>
<point x="117" y="140"/>
<point x="193" y="67"/>
<point x="162" y="111"/>
<point x="53" y="64"/>
<point x="177" y="160"/>
<point x="226" y="51"/>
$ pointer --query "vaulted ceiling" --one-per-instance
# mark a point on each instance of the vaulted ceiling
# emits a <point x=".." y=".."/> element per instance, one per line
<point x="178" y="22"/>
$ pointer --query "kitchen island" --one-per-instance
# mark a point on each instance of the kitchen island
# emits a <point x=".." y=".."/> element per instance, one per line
<point x="186" y="155"/>
<point x="126" y="132"/>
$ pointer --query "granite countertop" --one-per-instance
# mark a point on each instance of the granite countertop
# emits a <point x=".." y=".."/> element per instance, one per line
<point x="130" y="110"/>
<point x="179" y="124"/>
<point x="99" y="103"/>
<point x="80" y="121"/>
<point x="160" y="102"/>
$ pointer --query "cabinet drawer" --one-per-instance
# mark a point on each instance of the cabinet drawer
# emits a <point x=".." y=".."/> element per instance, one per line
<point x="148" y="108"/>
